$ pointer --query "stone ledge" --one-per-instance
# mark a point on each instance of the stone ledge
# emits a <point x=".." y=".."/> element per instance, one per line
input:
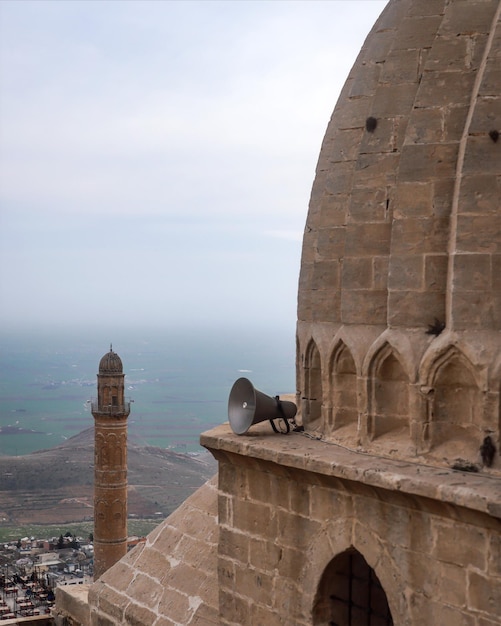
<point x="478" y="492"/>
<point x="72" y="606"/>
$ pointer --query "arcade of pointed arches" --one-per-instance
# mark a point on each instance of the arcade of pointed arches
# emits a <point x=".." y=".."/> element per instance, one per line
<point x="383" y="395"/>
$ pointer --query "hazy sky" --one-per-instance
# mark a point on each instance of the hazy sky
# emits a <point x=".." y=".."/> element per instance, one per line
<point x="156" y="158"/>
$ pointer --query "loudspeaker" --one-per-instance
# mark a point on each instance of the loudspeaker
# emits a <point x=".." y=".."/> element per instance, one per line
<point x="247" y="406"/>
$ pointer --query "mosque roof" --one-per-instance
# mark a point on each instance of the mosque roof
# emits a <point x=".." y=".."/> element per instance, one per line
<point x="111" y="363"/>
<point x="404" y="212"/>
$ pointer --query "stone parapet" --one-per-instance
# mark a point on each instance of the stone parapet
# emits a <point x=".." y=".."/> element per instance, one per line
<point x="297" y="451"/>
<point x="293" y="509"/>
<point x="72" y="606"/>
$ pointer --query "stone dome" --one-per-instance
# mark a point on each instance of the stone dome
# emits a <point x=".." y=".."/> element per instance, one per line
<point x="399" y="300"/>
<point x="111" y="363"/>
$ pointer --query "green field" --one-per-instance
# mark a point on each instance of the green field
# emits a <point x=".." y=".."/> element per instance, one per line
<point x="139" y="528"/>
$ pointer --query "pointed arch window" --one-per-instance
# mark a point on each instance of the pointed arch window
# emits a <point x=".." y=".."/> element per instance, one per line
<point x="312" y="399"/>
<point x="344" y="389"/>
<point x="350" y="594"/>
<point x="390" y="395"/>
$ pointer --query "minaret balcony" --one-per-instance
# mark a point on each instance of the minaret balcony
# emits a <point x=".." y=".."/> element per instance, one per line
<point x="117" y="410"/>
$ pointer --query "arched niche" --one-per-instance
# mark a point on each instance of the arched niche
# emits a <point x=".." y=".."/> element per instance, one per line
<point x="343" y="389"/>
<point x="456" y="405"/>
<point x="350" y="594"/>
<point x="389" y="395"/>
<point x="313" y="394"/>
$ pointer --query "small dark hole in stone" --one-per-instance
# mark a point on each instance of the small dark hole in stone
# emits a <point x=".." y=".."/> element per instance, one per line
<point x="370" y="124"/>
<point x="494" y="135"/>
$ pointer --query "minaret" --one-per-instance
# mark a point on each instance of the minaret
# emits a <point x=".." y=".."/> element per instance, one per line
<point x="110" y="413"/>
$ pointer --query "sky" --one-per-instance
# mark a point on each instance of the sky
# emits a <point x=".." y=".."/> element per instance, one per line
<point x="156" y="158"/>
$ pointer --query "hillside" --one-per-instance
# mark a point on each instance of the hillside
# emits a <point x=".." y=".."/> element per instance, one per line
<point x="56" y="485"/>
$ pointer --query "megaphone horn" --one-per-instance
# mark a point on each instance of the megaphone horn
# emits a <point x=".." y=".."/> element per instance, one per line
<point x="247" y="406"/>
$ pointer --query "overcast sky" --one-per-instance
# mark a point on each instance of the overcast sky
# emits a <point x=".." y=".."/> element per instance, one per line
<point x="156" y="158"/>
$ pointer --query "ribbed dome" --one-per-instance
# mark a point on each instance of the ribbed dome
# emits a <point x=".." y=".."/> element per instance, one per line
<point x="399" y="299"/>
<point x="111" y="363"/>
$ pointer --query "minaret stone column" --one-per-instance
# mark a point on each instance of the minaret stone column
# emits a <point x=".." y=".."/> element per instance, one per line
<point x="110" y="412"/>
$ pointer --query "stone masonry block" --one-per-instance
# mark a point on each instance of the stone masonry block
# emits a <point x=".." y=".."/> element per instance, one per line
<point x="484" y="594"/>
<point x="450" y="615"/>
<point x="264" y="554"/>
<point x="426" y="7"/>
<point x="255" y="584"/>
<point x="486" y="115"/>
<point x="345" y="146"/>
<point x="333" y="209"/>
<point x="368" y="205"/>
<point x="435" y="272"/>
<point x="426" y="125"/>
<point x="357" y="273"/>
<point x="479" y="194"/>
<point x="439" y="88"/>
<point x="472" y="272"/>
<point x="327" y="504"/>
<point x="254" y="518"/>
<point x="415" y="570"/>
<point x="263" y="616"/>
<point x="351" y="114"/>
<point x="464" y="17"/>
<point x="290" y="562"/>
<point x="460" y="544"/>
<point x="363" y="240"/>
<point x="330" y="243"/>
<point x="136" y="615"/>
<point x="233" y="544"/>
<point x="325" y="306"/>
<point x="496" y="273"/>
<point x="491" y="80"/>
<point x="375" y="170"/>
<point x="365" y="81"/>
<point x="406" y="272"/>
<point x="153" y="563"/>
<point x="451" y="585"/>
<point x="299" y="493"/>
<point x="326" y="275"/>
<point x="233" y="609"/>
<point x="384" y="137"/>
<point x="339" y="179"/>
<point x="452" y="52"/>
<point x="145" y="589"/>
<point x="474" y="310"/>
<point x="442" y="197"/>
<point x="415" y="308"/>
<point x="479" y="233"/>
<point x="113" y="604"/>
<point x="427" y="161"/>
<point x="168" y="539"/>
<point x="415" y="236"/>
<point x="364" y="306"/>
<point x="412" y="200"/>
<point x="101" y="620"/>
<point x="204" y="616"/>
<point x="176" y="605"/>
<point x="232" y="478"/>
<point x="193" y="581"/>
<point x="416" y="32"/>
<point x="401" y="66"/>
<point x="482" y="154"/>
<point x="380" y="266"/>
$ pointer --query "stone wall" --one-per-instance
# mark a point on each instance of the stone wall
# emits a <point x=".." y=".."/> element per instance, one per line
<point x="287" y="509"/>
